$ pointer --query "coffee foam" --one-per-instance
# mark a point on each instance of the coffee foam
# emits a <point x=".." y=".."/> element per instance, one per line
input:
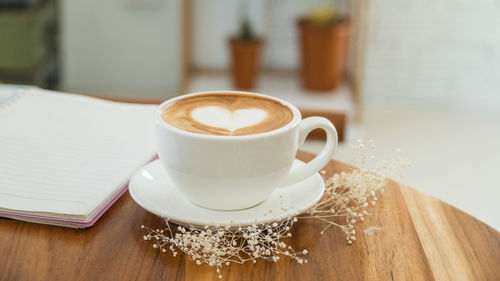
<point x="227" y="114"/>
<point x="216" y="116"/>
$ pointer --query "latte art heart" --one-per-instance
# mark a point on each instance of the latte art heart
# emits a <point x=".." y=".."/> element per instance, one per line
<point x="226" y="114"/>
<point x="219" y="117"/>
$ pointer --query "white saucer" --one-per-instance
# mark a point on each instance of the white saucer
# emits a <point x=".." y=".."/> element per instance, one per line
<point x="151" y="188"/>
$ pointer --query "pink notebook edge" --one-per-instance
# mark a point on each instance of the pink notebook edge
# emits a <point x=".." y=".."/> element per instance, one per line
<point x="80" y="223"/>
<point x="77" y="223"/>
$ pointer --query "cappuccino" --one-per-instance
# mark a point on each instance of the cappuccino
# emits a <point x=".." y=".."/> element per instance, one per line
<point x="227" y="114"/>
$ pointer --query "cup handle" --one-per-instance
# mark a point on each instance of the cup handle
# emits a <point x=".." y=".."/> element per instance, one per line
<point x="320" y="161"/>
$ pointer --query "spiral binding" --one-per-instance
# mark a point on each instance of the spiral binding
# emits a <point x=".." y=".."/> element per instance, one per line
<point x="18" y="93"/>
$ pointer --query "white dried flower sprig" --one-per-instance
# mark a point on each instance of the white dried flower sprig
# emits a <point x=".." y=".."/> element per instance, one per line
<point x="348" y="195"/>
<point x="217" y="246"/>
<point x="346" y="200"/>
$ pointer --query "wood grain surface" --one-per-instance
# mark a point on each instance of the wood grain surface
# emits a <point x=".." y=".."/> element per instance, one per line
<point x="420" y="238"/>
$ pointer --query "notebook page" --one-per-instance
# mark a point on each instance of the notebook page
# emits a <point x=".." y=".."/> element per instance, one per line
<point x="65" y="154"/>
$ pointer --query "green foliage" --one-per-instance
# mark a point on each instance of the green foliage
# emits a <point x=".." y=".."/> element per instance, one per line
<point x="246" y="31"/>
<point x="324" y="15"/>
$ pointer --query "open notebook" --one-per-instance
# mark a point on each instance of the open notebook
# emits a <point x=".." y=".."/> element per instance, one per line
<point x="64" y="158"/>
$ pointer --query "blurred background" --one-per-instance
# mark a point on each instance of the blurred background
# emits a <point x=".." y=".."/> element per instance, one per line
<point x="420" y="76"/>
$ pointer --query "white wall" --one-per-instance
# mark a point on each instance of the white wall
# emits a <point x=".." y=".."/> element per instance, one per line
<point x="275" y="20"/>
<point x="127" y="48"/>
<point x="213" y="22"/>
<point x="434" y="53"/>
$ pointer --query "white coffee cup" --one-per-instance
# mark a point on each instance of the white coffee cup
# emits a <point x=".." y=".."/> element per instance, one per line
<point x="238" y="172"/>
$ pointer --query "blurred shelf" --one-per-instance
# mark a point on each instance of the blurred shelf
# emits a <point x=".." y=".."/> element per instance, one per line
<point x="29" y="48"/>
<point x="337" y="105"/>
<point x="282" y="85"/>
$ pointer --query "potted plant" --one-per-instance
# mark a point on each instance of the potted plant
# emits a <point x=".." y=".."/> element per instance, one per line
<point x="324" y="42"/>
<point x="245" y="48"/>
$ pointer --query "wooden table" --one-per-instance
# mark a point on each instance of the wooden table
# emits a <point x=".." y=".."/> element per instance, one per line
<point x="421" y="238"/>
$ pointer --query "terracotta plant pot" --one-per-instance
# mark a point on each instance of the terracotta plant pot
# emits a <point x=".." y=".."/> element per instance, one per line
<point x="323" y="54"/>
<point x="245" y="62"/>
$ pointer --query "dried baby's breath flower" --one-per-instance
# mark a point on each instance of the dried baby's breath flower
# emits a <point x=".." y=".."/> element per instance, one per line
<point x="218" y="246"/>
<point x="348" y="195"/>
<point x="346" y="200"/>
